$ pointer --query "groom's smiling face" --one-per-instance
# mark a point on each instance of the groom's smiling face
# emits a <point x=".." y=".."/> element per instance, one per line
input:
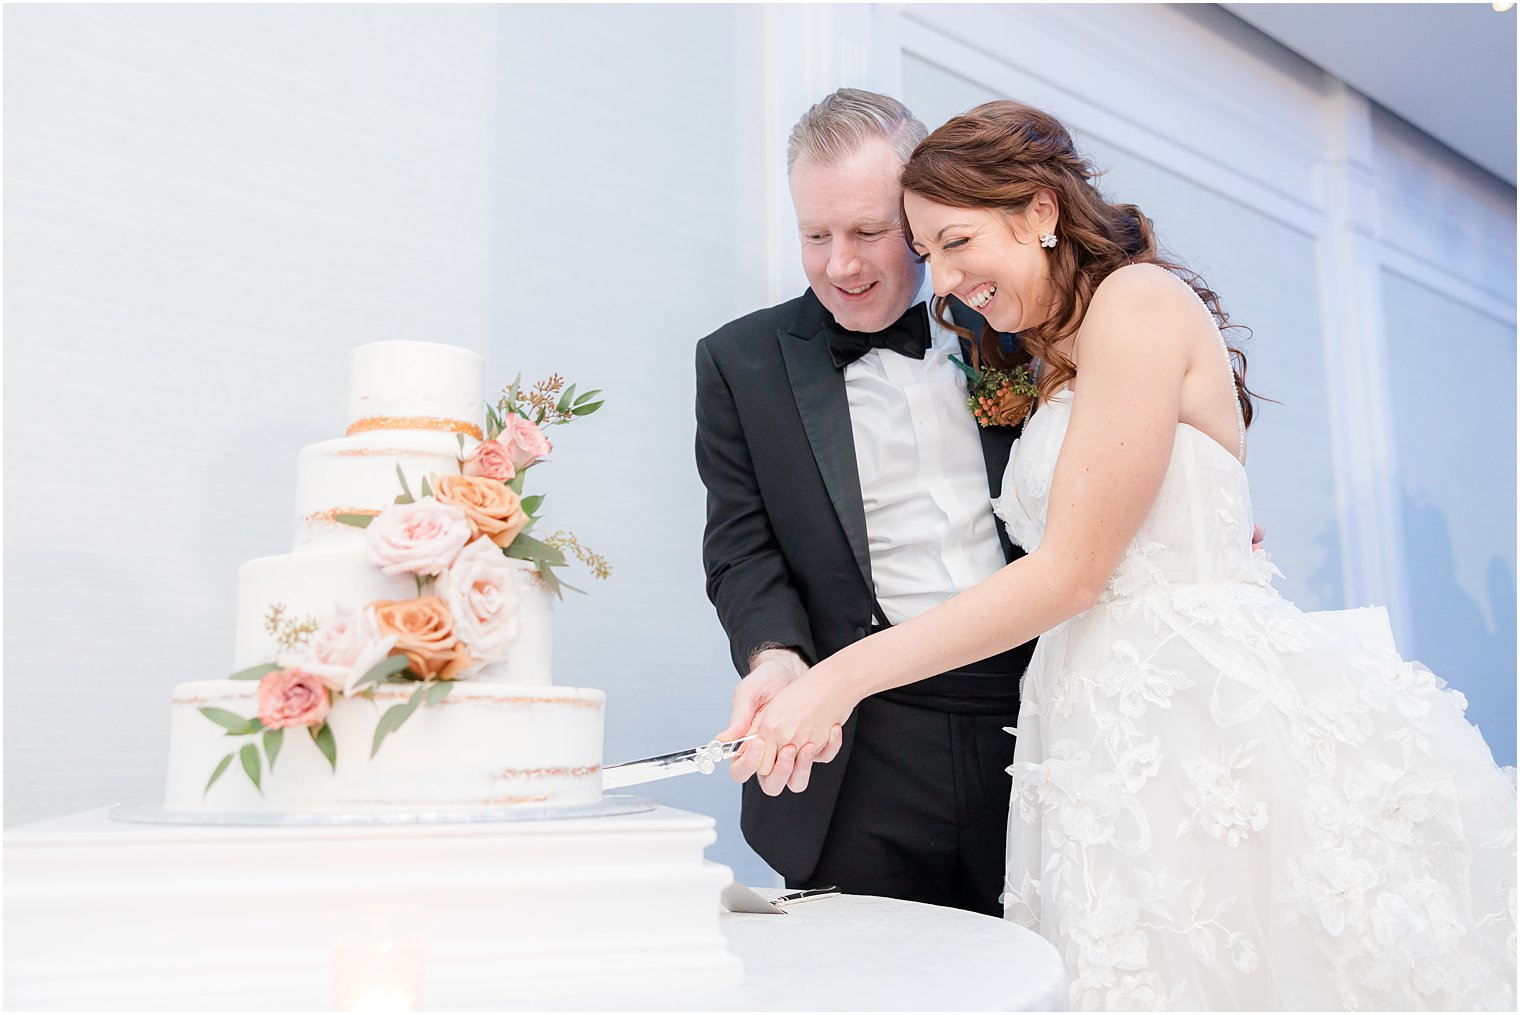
<point x="849" y="218"/>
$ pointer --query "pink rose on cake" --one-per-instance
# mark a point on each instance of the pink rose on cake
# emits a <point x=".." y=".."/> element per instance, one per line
<point x="418" y="538"/>
<point x="341" y="651"/>
<point x="493" y="510"/>
<point x="483" y="590"/>
<point x="524" y="441"/>
<point x="490" y="460"/>
<point x="292" y="697"/>
<point x="424" y="630"/>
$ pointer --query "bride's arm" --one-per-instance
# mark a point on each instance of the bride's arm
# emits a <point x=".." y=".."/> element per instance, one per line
<point x="1133" y="355"/>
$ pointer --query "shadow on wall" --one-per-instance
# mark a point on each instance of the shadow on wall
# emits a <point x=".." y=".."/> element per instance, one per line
<point x="1328" y="580"/>
<point x="1454" y="637"/>
<point x="1501" y="603"/>
<point x="1456" y="641"/>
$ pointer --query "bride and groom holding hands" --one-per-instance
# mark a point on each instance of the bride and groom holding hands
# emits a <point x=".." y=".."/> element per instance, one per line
<point x="1215" y="800"/>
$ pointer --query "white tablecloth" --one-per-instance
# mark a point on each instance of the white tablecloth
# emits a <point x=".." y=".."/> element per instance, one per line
<point x="857" y="952"/>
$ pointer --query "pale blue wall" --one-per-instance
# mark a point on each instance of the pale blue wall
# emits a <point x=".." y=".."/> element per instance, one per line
<point x="1453" y="381"/>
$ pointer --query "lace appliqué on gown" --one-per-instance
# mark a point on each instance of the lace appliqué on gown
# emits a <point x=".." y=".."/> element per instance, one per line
<point x="1222" y="802"/>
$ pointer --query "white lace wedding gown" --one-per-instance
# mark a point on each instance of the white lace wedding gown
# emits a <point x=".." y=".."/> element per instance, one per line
<point x="1222" y="802"/>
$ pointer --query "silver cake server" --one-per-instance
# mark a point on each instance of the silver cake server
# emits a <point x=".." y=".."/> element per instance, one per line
<point x="704" y="759"/>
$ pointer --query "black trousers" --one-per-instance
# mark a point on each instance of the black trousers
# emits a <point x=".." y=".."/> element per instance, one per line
<point x="923" y="808"/>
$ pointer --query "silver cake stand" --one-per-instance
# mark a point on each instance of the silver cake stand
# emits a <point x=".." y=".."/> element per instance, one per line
<point x="607" y="806"/>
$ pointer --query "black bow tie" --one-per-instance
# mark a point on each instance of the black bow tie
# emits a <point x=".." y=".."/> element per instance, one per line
<point x="908" y="335"/>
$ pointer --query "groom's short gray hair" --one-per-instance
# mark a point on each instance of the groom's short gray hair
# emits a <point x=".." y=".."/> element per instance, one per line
<point x="836" y="127"/>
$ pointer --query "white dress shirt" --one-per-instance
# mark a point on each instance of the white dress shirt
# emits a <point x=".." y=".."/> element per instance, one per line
<point x="929" y="522"/>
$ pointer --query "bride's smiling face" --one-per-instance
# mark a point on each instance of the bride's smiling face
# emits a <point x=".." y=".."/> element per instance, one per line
<point x="991" y="260"/>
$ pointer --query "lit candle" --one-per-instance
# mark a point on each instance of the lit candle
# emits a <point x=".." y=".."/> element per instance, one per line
<point x="383" y="999"/>
<point x="378" y="976"/>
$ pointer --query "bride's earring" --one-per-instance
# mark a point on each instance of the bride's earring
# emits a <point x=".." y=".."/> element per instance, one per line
<point x="1047" y="240"/>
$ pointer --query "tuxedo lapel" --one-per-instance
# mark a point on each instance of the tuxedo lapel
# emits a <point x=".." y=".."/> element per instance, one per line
<point x="997" y="441"/>
<point x="818" y="388"/>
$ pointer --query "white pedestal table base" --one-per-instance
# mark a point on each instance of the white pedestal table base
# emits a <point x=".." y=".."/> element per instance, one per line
<point x="103" y="914"/>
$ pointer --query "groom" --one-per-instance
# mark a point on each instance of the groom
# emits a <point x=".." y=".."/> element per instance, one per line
<point x="849" y="488"/>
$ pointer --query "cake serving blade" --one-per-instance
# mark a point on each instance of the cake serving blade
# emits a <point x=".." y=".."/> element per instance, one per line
<point x="702" y="759"/>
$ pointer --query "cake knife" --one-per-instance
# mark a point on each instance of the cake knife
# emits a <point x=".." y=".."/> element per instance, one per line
<point x="702" y="759"/>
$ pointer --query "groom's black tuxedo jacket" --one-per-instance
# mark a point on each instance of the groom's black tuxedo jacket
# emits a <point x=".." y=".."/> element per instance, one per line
<point x="785" y="546"/>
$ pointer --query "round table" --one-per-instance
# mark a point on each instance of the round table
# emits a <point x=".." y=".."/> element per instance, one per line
<point x="859" y="952"/>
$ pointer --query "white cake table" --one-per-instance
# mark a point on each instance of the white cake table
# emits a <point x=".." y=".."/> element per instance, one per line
<point x="101" y="914"/>
<point x="612" y="913"/>
<point x="860" y="953"/>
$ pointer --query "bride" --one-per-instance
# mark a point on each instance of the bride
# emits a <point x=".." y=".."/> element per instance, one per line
<point x="1219" y="801"/>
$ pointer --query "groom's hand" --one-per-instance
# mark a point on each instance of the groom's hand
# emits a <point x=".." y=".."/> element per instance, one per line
<point x="793" y="768"/>
<point x="1257" y="535"/>
<point x="770" y="672"/>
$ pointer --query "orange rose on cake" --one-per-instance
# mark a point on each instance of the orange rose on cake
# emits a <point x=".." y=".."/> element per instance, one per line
<point x="424" y="631"/>
<point x="492" y="509"/>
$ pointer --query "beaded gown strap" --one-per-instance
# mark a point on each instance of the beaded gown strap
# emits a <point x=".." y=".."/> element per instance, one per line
<point x="1240" y="417"/>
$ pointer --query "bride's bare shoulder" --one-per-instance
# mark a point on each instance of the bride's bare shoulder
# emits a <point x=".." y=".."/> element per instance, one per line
<point x="1144" y="286"/>
<point x="1145" y="303"/>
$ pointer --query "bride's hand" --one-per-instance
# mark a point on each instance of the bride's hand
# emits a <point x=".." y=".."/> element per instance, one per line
<point x="806" y="714"/>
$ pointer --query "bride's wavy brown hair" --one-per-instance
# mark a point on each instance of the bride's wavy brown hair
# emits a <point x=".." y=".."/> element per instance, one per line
<point x="999" y="155"/>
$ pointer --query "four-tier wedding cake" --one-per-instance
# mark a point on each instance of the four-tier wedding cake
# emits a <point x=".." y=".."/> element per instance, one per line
<point x="399" y="657"/>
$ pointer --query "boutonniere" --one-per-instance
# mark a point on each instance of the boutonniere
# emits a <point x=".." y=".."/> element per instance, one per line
<point x="999" y="397"/>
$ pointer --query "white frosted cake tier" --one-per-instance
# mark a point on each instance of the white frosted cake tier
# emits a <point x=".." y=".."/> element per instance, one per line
<point x="309" y="586"/>
<point x="415" y="386"/>
<point x="357" y="475"/>
<point x="315" y="581"/>
<point x="486" y="745"/>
